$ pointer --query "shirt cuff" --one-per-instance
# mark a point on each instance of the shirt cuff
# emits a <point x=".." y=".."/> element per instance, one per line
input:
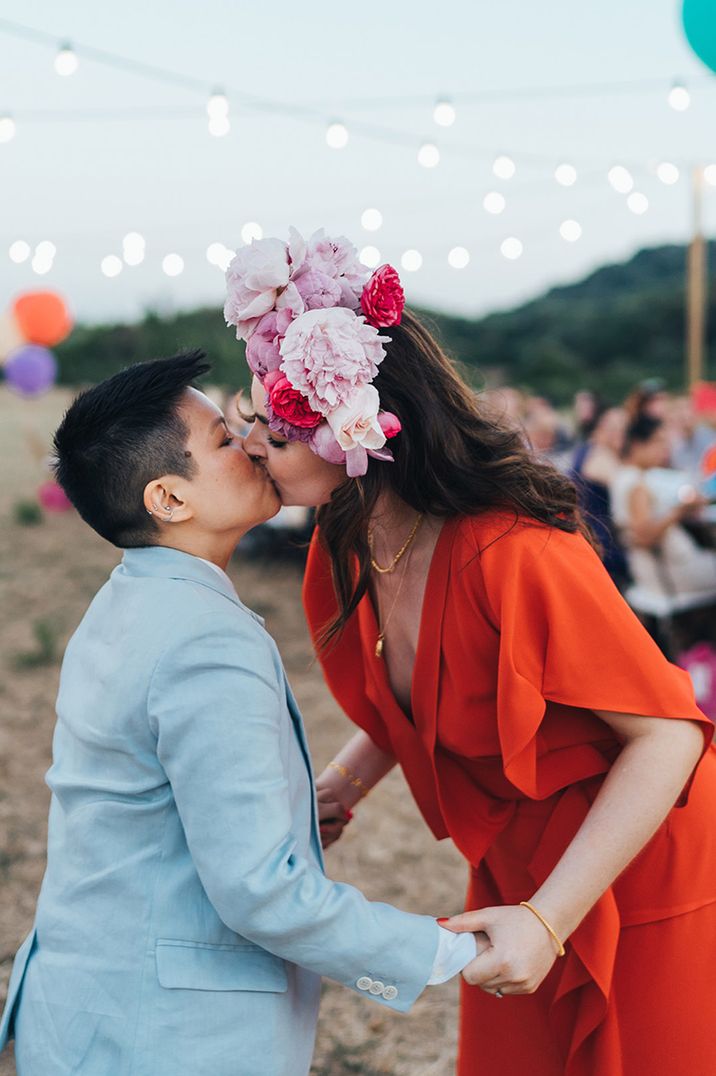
<point x="455" y="951"/>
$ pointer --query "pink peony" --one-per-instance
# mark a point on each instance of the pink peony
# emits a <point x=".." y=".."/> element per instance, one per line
<point x="328" y="353"/>
<point x="253" y="280"/>
<point x="290" y="405"/>
<point x="317" y="290"/>
<point x="382" y="299"/>
<point x="338" y="259"/>
<point x="262" y="348"/>
<point x="324" y="444"/>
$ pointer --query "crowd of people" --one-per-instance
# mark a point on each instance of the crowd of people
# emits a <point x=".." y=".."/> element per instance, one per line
<point x="646" y="475"/>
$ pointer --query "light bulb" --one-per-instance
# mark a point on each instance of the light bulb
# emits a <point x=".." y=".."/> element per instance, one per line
<point x="444" y="112"/>
<point x="45" y="250"/>
<point x="494" y="202"/>
<point x="219" y="126"/>
<point x="458" y="257"/>
<point x="679" y="97"/>
<point x="111" y="265"/>
<point x="565" y="174"/>
<point x="66" y="62"/>
<point x="7" y="128"/>
<point x="503" y="167"/>
<point x="710" y="174"/>
<point x="411" y="260"/>
<point x="19" y="251"/>
<point x="371" y="219"/>
<point x="250" y="231"/>
<point x="217" y="106"/>
<point x="370" y="257"/>
<point x="570" y="230"/>
<point x="511" y="248"/>
<point x="620" y="179"/>
<point x="667" y="173"/>
<point x="337" y="135"/>
<point x="638" y="202"/>
<point x="173" y="264"/>
<point x="428" y="155"/>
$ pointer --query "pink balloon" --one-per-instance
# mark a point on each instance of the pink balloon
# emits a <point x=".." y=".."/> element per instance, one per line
<point x="53" y="498"/>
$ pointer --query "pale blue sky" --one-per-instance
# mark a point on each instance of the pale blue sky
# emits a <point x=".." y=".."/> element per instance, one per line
<point x="84" y="184"/>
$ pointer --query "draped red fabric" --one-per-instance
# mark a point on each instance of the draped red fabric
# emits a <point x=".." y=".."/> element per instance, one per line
<point x="522" y="637"/>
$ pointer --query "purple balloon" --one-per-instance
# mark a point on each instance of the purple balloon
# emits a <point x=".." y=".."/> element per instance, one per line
<point x="31" y="370"/>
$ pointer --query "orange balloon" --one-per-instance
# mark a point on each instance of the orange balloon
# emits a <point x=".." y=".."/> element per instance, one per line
<point x="42" y="317"/>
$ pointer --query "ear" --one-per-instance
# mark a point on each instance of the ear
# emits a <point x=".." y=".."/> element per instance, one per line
<point x="163" y="499"/>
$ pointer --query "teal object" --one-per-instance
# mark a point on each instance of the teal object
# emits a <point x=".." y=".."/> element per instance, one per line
<point x="699" y="19"/>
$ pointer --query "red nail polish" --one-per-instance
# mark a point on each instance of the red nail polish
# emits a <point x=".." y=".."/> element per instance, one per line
<point x="443" y="920"/>
<point x="349" y="815"/>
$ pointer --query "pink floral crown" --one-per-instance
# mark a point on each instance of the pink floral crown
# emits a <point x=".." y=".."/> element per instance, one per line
<point x="310" y="314"/>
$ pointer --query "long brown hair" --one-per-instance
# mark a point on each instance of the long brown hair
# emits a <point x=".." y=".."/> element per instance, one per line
<point x="452" y="458"/>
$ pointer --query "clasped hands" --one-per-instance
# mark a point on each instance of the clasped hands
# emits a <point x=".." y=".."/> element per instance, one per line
<point x="515" y="952"/>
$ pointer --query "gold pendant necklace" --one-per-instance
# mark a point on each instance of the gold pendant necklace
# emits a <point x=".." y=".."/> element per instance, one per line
<point x="382" y="628"/>
<point x="391" y="567"/>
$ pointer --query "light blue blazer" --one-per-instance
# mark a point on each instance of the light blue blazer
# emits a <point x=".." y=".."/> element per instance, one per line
<point x="184" y="919"/>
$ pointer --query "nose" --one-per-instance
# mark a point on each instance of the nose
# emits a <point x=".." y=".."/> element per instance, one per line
<point x="253" y="444"/>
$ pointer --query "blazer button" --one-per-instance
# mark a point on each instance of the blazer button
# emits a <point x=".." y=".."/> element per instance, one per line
<point x="376" y="987"/>
<point x="390" y="993"/>
<point x="364" y="983"/>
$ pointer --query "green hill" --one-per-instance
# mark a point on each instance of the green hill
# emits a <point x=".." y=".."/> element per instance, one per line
<point x="620" y="324"/>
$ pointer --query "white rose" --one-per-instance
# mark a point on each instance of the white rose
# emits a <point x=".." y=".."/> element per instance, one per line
<point x="355" y="422"/>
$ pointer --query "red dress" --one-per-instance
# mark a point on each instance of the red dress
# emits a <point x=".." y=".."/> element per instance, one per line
<point x="522" y="637"/>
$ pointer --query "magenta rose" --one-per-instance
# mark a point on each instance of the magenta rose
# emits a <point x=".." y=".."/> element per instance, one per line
<point x="289" y="404"/>
<point x="382" y="299"/>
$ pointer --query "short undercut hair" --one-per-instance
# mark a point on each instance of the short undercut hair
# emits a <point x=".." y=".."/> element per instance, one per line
<point x="118" y="436"/>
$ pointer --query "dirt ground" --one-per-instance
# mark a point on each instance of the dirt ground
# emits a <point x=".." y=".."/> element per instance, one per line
<point x="48" y="574"/>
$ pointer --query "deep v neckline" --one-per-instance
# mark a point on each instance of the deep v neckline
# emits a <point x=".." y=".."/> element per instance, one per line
<point x="377" y="664"/>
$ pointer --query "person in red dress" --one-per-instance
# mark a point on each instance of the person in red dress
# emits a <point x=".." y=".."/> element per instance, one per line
<point x="465" y="623"/>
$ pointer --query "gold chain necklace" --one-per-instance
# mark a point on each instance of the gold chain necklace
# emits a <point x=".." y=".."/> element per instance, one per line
<point x="391" y="567"/>
<point x="382" y="628"/>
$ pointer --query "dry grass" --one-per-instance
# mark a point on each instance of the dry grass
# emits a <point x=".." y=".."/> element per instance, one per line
<point x="48" y="574"/>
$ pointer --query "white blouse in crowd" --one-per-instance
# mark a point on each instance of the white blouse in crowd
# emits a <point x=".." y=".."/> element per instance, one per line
<point x="677" y="574"/>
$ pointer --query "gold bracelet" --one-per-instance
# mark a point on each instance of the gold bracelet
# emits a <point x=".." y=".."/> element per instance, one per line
<point x="350" y="777"/>
<point x="545" y="924"/>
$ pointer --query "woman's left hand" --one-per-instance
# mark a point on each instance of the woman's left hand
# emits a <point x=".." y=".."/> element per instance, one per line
<point x="520" y="954"/>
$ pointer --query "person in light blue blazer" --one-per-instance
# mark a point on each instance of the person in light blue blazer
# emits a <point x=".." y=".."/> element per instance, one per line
<point x="184" y="919"/>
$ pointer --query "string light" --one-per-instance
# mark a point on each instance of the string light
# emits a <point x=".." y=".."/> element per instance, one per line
<point x="511" y="248"/>
<point x="173" y="264"/>
<point x="133" y="248"/>
<point x="620" y="178"/>
<point x="45" y="250"/>
<point x="668" y="173"/>
<point x="19" y="251"/>
<point x="458" y="257"/>
<point x="337" y="135"/>
<point x="111" y="265"/>
<point x="503" y="167"/>
<point x="66" y="62"/>
<point x="570" y="230"/>
<point x="444" y="112"/>
<point x="250" y="231"/>
<point x="428" y="155"/>
<point x="411" y="260"/>
<point x="371" y="220"/>
<point x="565" y="174"/>
<point x="370" y="257"/>
<point x="494" y="202"/>
<point x="638" y="203"/>
<point x="679" y="97"/>
<point x="219" y="255"/>
<point x="7" y="128"/>
<point x="710" y="174"/>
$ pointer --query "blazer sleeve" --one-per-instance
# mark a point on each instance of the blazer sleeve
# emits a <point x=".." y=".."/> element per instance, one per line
<point x="217" y="709"/>
<point x="566" y="635"/>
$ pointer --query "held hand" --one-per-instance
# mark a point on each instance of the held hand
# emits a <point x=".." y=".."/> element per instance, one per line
<point x="332" y="817"/>
<point x="520" y="953"/>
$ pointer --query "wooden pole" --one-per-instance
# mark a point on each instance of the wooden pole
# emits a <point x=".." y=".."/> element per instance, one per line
<point x="696" y="287"/>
